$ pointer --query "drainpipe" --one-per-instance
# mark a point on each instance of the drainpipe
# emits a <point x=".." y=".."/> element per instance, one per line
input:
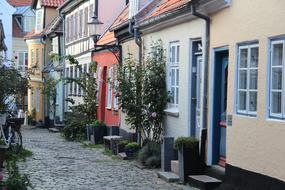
<point x="63" y="68"/>
<point x="138" y="41"/>
<point x="203" y="134"/>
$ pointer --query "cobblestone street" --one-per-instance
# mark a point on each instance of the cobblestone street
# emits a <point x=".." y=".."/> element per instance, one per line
<point x="60" y="165"/>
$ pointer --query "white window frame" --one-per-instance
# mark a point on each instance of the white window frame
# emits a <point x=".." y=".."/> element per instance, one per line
<point x="23" y="66"/>
<point x="282" y="114"/>
<point x="174" y="65"/>
<point x="110" y="88"/>
<point x="29" y="23"/>
<point x="247" y="90"/>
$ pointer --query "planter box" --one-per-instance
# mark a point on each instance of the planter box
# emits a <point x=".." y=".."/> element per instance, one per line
<point x="189" y="162"/>
<point x="98" y="133"/>
<point x="131" y="154"/>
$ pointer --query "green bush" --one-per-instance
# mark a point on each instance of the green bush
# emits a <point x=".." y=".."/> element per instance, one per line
<point x="187" y="142"/>
<point x="132" y="146"/>
<point x="97" y="123"/>
<point x="123" y="143"/>
<point x="150" y="155"/>
<point x="75" y="126"/>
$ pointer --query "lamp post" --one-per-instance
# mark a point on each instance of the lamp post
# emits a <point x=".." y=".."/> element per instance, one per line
<point x="94" y="24"/>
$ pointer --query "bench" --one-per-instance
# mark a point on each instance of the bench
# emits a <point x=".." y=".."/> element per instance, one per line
<point x="110" y="142"/>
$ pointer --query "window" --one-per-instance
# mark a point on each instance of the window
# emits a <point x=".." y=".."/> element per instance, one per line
<point x="85" y="22"/>
<point x="75" y="84"/>
<point x="55" y="44"/>
<point x="174" y="59"/>
<point x="80" y="76"/>
<point x="37" y="100"/>
<point x="29" y="23"/>
<point x="85" y="71"/>
<point x="67" y="85"/>
<point x="110" y="86"/>
<point x="72" y="28"/>
<point x="76" y="26"/>
<point x="80" y="24"/>
<point x="247" y="79"/>
<point x="277" y="93"/>
<point x="91" y="12"/>
<point x="71" y="83"/>
<point x="32" y="57"/>
<point x="37" y="57"/>
<point x="39" y="20"/>
<point x="67" y="31"/>
<point x="22" y="62"/>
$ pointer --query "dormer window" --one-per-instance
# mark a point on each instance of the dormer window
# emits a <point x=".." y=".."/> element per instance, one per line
<point x="19" y="21"/>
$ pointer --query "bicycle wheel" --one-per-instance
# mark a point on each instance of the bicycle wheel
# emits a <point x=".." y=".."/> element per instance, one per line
<point x="16" y="141"/>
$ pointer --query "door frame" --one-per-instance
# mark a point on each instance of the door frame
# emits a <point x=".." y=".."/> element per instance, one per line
<point x="211" y="135"/>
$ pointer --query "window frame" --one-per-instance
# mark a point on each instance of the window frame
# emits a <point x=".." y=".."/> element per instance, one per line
<point x="282" y="114"/>
<point x="110" y="88"/>
<point x="176" y="67"/>
<point x="248" y="47"/>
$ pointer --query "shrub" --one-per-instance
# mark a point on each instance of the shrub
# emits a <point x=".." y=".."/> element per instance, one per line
<point x="187" y="142"/>
<point x="97" y="123"/>
<point x="123" y="143"/>
<point x="75" y="128"/>
<point x="150" y="155"/>
<point x="132" y="147"/>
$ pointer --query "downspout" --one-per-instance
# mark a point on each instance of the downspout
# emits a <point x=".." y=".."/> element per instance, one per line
<point x="63" y="67"/>
<point x="138" y="41"/>
<point x="203" y="136"/>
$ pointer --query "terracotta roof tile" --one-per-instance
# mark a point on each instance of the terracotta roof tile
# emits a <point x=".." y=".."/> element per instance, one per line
<point x="167" y="5"/>
<point x="52" y="3"/>
<point x="122" y="18"/>
<point x="19" y="3"/>
<point x="107" y="38"/>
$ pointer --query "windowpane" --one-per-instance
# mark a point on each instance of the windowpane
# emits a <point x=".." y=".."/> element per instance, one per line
<point x="276" y="78"/>
<point x="243" y="58"/>
<point x="253" y="79"/>
<point x="177" y="77"/>
<point x="277" y="54"/>
<point x="177" y="54"/>
<point x="172" y="77"/>
<point x="276" y="102"/>
<point x="254" y="57"/>
<point x="172" y="94"/>
<point x="242" y="100"/>
<point x="177" y="96"/>
<point x="252" y="101"/>
<point x="173" y="55"/>
<point x="242" y="79"/>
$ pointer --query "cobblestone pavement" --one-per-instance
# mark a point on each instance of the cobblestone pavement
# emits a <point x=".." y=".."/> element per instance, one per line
<point x="60" y="165"/>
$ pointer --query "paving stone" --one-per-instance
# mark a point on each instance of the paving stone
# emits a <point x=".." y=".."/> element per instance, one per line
<point x="57" y="164"/>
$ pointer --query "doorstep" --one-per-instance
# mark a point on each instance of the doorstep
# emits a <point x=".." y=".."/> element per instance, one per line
<point x="168" y="176"/>
<point x="204" y="182"/>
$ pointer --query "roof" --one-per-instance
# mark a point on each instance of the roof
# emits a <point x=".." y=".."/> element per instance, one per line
<point x="47" y="3"/>
<point x="19" y="3"/>
<point x="167" y="5"/>
<point x="21" y="10"/>
<point x="107" y="38"/>
<point x="54" y="26"/>
<point x="122" y="18"/>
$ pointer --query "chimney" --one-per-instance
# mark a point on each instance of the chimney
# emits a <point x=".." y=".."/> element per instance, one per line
<point x="133" y="8"/>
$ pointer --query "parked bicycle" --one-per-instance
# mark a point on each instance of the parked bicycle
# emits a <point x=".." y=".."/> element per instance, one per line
<point x="10" y="132"/>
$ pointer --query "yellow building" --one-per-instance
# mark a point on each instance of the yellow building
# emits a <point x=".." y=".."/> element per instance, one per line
<point x="38" y="54"/>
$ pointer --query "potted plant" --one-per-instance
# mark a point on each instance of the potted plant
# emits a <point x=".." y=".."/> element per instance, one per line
<point x="131" y="149"/>
<point x="188" y="156"/>
<point x="121" y="145"/>
<point x="99" y="129"/>
<point x="3" y="149"/>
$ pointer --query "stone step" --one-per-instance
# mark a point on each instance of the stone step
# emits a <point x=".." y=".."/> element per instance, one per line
<point x="53" y="130"/>
<point x="170" y="177"/>
<point x="204" y="182"/>
<point x="216" y="171"/>
<point x="175" y="166"/>
<point x="122" y="155"/>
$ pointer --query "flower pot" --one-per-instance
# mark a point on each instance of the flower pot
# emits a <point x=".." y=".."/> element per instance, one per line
<point x="189" y="162"/>
<point x="3" y="149"/>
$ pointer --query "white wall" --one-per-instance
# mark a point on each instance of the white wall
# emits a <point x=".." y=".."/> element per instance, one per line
<point x="6" y="12"/>
<point x="179" y="125"/>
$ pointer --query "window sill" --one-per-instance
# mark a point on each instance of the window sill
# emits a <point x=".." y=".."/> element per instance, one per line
<point x="172" y="112"/>
<point x="108" y="108"/>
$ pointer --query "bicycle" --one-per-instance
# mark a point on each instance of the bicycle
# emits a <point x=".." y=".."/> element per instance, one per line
<point x="10" y="132"/>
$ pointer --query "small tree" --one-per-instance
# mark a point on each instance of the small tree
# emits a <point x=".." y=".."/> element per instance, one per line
<point x="143" y="92"/>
